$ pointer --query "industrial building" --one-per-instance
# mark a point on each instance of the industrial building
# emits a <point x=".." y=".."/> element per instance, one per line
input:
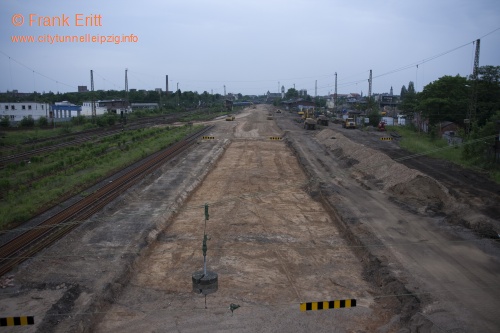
<point x="64" y="110"/>
<point x="116" y="106"/>
<point x="17" y="111"/>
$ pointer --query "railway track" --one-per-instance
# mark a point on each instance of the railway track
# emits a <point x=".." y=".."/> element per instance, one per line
<point x="53" y="228"/>
<point x="73" y="139"/>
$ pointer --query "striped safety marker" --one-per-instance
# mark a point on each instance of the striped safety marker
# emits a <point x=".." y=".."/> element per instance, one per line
<point x="386" y="139"/>
<point x="275" y="138"/>
<point x="17" y="321"/>
<point x="208" y="137"/>
<point x="344" y="303"/>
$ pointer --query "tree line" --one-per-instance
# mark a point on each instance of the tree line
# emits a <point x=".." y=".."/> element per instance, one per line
<point x="472" y="104"/>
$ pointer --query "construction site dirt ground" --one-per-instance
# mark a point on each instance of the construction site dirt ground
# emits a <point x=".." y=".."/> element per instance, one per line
<point x="271" y="244"/>
<point x="317" y="216"/>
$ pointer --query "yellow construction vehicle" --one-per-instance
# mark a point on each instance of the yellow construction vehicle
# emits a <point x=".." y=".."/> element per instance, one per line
<point x="309" y="119"/>
<point x="349" y="123"/>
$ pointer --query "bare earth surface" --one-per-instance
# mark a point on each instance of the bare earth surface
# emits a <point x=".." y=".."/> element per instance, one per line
<point x="271" y="244"/>
<point x="320" y="215"/>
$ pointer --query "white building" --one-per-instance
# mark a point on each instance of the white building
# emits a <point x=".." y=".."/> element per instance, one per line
<point x="117" y="106"/>
<point x="17" y="111"/>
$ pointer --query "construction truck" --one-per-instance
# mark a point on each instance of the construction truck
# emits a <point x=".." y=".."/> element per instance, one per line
<point x="349" y="123"/>
<point x="323" y="120"/>
<point x="230" y="117"/>
<point x="309" y="119"/>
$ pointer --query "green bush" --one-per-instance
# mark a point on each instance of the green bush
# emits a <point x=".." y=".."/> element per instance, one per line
<point x="374" y="118"/>
<point x="5" y="121"/>
<point x="79" y="120"/>
<point x="27" y="122"/>
<point x="43" y="121"/>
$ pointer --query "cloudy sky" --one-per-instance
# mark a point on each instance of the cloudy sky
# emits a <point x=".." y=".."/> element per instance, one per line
<point x="248" y="46"/>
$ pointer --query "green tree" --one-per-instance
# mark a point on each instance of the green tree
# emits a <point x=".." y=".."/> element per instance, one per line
<point x="371" y="105"/>
<point x="483" y="139"/>
<point x="409" y="103"/>
<point x="445" y="99"/>
<point x="320" y="102"/>
<point x="374" y="117"/>
<point x="488" y="93"/>
<point x="489" y="74"/>
<point x="403" y="92"/>
<point x="411" y="88"/>
<point x="292" y="93"/>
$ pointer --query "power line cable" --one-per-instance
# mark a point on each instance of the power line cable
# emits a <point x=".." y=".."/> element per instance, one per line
<point x="34" y="71"/>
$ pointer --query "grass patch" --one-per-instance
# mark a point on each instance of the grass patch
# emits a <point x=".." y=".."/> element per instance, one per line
<point x="422" y="143"/>
<point x="28" y="188"/>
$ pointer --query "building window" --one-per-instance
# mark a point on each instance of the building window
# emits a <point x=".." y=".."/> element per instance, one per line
<point x="6" y="107"/>
<point x="23" y="107"/>
<point x="42" y="106"/>
<point x="12" y="117"/>
<point x="12" y="107"/>
<point x="29" y="107"/>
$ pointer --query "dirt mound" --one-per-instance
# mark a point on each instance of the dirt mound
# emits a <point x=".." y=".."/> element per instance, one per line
<point x="421" y="191"/>
<point x="377" y="170"/>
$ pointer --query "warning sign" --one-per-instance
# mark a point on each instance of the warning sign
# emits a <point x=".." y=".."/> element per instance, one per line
<point x="17" y="321"/>
<point x="344" y="303"/>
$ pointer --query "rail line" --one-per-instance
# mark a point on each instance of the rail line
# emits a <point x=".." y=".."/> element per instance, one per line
<point x="53" y="228"/>
<point x="73" y="139"/>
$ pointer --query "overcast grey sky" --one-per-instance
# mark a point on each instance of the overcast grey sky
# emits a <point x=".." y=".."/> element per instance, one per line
<point x="248" y="46"/>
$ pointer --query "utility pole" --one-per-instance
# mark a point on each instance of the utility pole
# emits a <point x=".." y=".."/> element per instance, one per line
<point x="335" y="96"/>
<point x="123" y="113"/>
<point x="177" y="92"/>
<point x="166" y="85"/>
<point x="92" y="92"/>
<point x="471" y="114"/>
<point x="370" y="85"/>
<point x="126" y="80"/>
<point x="316" y="88"/>
<point x="126" y="83"/>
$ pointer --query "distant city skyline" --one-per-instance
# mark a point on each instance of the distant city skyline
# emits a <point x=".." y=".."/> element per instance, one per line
<point x="248" y="47"/>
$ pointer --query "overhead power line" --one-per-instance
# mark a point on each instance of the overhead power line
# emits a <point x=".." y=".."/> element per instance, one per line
<point x="341" y="78"/>
<point x="36" y="72"/>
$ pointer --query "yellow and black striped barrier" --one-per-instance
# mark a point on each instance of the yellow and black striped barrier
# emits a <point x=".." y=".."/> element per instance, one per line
<point x="17" y="321"/>
<point x="343" y="303"/>
<point x="275" y="138"/>
<point x="208" y="137"/>
<point x="386" y="139"/>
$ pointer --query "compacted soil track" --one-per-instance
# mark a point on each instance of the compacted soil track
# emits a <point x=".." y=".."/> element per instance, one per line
<point x="272" y="245"/>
